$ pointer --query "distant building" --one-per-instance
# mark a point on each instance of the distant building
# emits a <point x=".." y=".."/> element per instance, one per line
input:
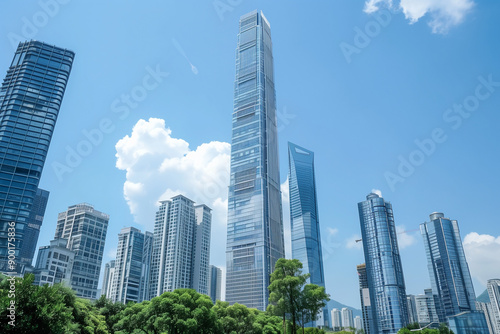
<point x="488" y="314"/>
<point x="383" y="265"/>
<point x="54" y="263"/>
<point x="426" y="309"/>
<point x="470" y="322"/>
<point x="358" y="323"/>
<point x="366" y="304"/>
<point x="215" y="283"/>
<point x="493" y="287"/>
<point x="347" y="319"/>
<point x="85" y="229"/>
<point x="181" y="247"/>
<point x="412" y="309"/>
<point x="109" y="272"/>
<point x="449" y="273"/>
<point x="129" y="279"/>
<point x="336" y="317"/>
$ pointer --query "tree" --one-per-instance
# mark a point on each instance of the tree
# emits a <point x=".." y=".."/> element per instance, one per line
<point x="289" y="296"/>
<point x="110" y="311"/>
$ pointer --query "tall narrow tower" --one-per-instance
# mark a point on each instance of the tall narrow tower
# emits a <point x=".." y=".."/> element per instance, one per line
<point x="255" y="225"/>
<point x="30" y="98"/>
<point x="384" y="271"/>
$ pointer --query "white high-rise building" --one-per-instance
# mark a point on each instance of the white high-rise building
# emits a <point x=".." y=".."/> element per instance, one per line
<point x="358" y="323"/>
<point x="493" y="287"/>
<point x="347" y="319"/>
<point x="181" y="247"/>
<point x="54" y="263"/>
<point x="85" y="229"/>
<point x="336" y="319"/>
<point x="131" y="267"/>
<point x="107" y="280"/>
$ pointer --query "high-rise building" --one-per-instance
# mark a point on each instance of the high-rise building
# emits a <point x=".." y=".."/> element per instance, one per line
<point x="304" y="219"/>
<point x="85" y="229"/>
<point x="54" y="263"/>
<point x="347" y="319"/>
<point x="32" y="229"/>
<point x="366" y="303"/>
<point x="129" y="280"/>
<point x="215" y="283"/>
<point x="336" y="317"/>
<point x="181" y="240"/>
<point x="449" y="273"/>
<point x="107" y="280"/>
<point x="426" y="309"/>
<point x="412" y="309"/>
<point x="383" y="265"/>
<point x="488" y="314"/>
<point x="30" y="98"/>
<point x="493" y="287"/>
<point x="255" y="224"/>
<point x="358" y="323"/>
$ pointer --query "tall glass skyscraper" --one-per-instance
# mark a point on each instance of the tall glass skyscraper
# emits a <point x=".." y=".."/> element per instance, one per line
<point x="255" y="225"/>
<point x="304" y="218"/>
<point x="449" y="273"/>
<point x="30" y="98"/>
<point x="383" y="265"/>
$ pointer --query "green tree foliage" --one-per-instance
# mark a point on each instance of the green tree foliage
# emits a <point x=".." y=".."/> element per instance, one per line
<point x="290" y="296"/>
<point x="413" y="329"/>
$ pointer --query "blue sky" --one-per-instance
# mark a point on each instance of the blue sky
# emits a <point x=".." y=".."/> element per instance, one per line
<point x="358" y="86"/>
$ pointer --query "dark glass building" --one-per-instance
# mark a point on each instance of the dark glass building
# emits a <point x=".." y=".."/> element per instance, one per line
<point x="366" y="304"/>
<point x="448" y="269"/>
<point x="384" y="271"/>
<point x="30" y="98"/>
<point x="304" y="219"/>
<point x="255" y="224"/>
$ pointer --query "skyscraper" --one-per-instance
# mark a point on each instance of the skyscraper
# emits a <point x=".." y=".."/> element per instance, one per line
<point x="366" y="303"/>
<point x="215" y="283"/>
<point x="129" y="279"/>
<point x="449" y="273"/>
<point x="383" y="265"/>
<point x="493" y="287"/>
<point x="180" y="241"/>
<point x="30" y="98"/>
<point x="347" y="319"/>
<point x="426" y="309"/>
<point x="304" y="218"/>
<point x="107" y="280"/>
<point x="85" y="229"/>
<point x="54" y="263"/>
<point x="255" y="226"/>
<point x="336" y="316"/>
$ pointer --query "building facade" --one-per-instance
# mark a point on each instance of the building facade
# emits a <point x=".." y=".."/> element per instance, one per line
<point x="358" y="323"/>
<point x="131" y="267"/>
<point x="85" y="229"/>
<point x="255" y="225"/>
<point x="426" y="309"/>
<point x="469" y="322"/>
<point x="107" y="280"/>
<point x="493" y="287"/>
<point x="304" y="219"/>
<point x="181" y="240"/>
<point x="347" y="319"/>
<point x="215" y="283"/>
<point x="30" y="98"/>
<point x="366" y="303"/>
<point x="383" y="265"/>
<point x="488" y="315"/>
<point x="336" y="317"/>
<point x="54" y="263"/>
<point x="448" y="269"/>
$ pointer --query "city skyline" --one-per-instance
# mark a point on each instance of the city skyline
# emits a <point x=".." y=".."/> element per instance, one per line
<point x="393" y="82"/>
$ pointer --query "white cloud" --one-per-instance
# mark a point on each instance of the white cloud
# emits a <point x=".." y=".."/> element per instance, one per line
<point x="483" y="256"/>
<point x="352" y="244"/>
<point x="443" y="14"/>
<point x="160" y="166"/>
<point x="111" y="254"/>
<point x="332" y="231"/>
<point x="285" y="204"/>
<point x="405" y="239"/>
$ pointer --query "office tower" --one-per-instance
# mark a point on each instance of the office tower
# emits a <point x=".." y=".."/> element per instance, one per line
<point x="255" y="225"/>
<point x="215" y="283"/>
<point x="488" y="314"/>
<point x="383" y="265"/>
<point x="129" y="276"/>
<point x="358" y="323"/>
<point x="147" y="255"/>
<point x="304" y="219"/>
<point x="30" y="98"/>
<point x="449" y="273"/>
<point x="181" y="239"/>
<point x="201" y="261"/>
<point x="412" y="309"/>
<point x="54" y="263"/>
<point x="107" y="280"/>
<point x="32" y="229"/>
<point x="366" y="304"/>
<point x="426" y="309"/>
<point x="468" y="322"/>
<point x="85" y="229"/>
<point x="347" y="319"/>
<point x="336" y="316"/>
<point x="493" y="287"/>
